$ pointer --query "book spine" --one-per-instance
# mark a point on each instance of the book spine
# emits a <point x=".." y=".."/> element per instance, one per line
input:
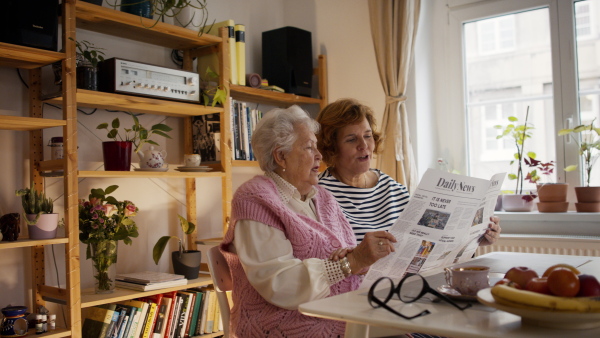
<point x="233" y="77"/>
<point x="210" y="313"/>
<point x="240" y="45"/>
<point x="149" y="320"/>
<point x="175" y="316"/>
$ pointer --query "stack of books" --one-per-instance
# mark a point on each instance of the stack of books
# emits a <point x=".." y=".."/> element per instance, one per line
<point x="149" y="280"/>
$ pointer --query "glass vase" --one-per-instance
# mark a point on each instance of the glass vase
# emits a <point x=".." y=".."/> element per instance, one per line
<point x="104" y="262"/>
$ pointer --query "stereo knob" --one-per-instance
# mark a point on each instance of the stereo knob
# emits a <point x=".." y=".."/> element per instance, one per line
<point x="190" y="81"/>
<point x="193" y="92"/>
<point x="152" y="86"/>
<point x="166" y="89"/>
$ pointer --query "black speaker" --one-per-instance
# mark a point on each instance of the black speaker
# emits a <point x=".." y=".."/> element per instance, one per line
<point x="287" y="59"/>
<point x="31" y="23"/>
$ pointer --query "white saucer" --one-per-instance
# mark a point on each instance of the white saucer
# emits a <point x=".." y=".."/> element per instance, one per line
<point x="151" y="169"/>
<point x="450" y="292"/>
<point x="196" y="167"/>
<point x="193" y="169"/>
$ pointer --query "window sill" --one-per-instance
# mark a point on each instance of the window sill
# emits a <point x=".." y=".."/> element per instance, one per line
<point x="543" y="223"/>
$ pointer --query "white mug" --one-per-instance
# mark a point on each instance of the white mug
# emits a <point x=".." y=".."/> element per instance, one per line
<point x="191" y="160"/>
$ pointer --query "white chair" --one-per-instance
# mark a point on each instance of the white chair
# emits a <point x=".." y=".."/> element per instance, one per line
<point x="219" y="271"/>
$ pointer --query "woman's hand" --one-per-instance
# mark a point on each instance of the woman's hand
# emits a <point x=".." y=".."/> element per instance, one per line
<point x="492" y="233"/>
<point x="375" y="245"/>
<point x="340" y="253"/>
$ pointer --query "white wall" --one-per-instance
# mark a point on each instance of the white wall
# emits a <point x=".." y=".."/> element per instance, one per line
<point x="340" y="30"/>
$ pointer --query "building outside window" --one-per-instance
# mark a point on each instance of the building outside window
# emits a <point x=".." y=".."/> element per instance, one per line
<point x="517" y="56"/>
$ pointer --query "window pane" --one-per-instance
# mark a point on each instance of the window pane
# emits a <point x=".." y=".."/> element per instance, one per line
<point x="504" y="81"/>
<point x="588" y="69"/>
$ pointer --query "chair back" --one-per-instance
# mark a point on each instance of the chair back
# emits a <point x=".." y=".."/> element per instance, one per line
<point x="221" y="276"/>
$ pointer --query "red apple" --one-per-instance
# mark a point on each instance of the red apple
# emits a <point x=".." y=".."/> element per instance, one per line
<point x="539" y="285"/>
<point x="520" y="275"/>
<point x="508" y="282"/>
<point x="588" y="286"/>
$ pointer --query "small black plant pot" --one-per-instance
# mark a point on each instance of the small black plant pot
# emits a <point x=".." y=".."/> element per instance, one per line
<point x="87" y="77"/>
<point x="188" y="264"/>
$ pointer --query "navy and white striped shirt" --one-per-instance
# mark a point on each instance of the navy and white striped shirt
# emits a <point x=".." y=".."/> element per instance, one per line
<point x="368" y="209"/>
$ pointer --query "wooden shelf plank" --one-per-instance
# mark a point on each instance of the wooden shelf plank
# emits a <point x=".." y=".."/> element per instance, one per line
<point x="28" y="123"/>
<point x="138" y="104"/>
<point x="50" y="334"/>
<point x="148" y="174"/>
<point x="27" y="243"/>
<point x="114" y="22"/>
<point x="26" y="57"/>
<point x="241" y="163"/>
<point x="269" y="97"/>
<point x="89" y="298"/>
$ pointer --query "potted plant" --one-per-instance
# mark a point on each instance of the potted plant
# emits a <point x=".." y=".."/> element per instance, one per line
<point x="552" y="196"/>
<point x="117" y="153"/>
<point x="210" y="90"/>
<point x="159" y="9"/>
<point x="103" y="222"/>
<point x="88" y="57"/>
<point x="185" y="262"/>
<point x="587" y="138"/>
<point x="519" y="133"/>
<point x="39" y="214"/>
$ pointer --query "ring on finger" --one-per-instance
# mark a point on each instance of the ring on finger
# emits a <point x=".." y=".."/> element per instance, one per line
<point x="380" y="243"/>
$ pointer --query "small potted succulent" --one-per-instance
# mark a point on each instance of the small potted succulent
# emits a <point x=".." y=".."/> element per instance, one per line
<point x="88" y="57"/>
<point x="519" y="133"/>
<point x="39" y="214"/>
<point x="117" y="153"/>
<point x="185" y="262"/>
<point x="587" y="137"/>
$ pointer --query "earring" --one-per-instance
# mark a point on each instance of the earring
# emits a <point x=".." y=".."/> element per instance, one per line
<point x="283" y="169"/>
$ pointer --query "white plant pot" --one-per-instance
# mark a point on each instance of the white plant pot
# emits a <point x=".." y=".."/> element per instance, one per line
<point x="45" y="228"/>
<point x="516" y="203"/>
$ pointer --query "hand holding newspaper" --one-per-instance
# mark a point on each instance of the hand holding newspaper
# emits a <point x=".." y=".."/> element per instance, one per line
<point x="441" y="225"/>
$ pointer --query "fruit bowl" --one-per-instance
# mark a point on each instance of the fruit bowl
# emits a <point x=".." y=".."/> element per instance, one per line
<point x="545" y="318"/>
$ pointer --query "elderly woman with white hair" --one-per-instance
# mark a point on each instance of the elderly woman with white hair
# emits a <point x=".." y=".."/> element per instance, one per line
<point x="286" y="234"/>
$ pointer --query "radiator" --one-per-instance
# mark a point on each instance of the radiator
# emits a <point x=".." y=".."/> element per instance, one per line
<point x="546" y="244"/>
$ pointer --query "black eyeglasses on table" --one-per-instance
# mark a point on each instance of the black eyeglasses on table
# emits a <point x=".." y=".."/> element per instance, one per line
<point x="411" y="288"/>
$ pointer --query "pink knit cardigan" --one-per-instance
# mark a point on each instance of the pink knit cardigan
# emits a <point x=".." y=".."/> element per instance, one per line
<point x="252" y="315"/>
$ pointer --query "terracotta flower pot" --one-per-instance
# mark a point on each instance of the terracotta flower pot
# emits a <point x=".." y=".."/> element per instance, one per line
<point x="552" y="192"/>
<point x="553" y="206"/>
<point x="516" y="203"/>
<point x="588" y="199"/>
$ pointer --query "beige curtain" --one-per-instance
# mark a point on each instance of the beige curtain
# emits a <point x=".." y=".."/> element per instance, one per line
<point x="394" y="29"/>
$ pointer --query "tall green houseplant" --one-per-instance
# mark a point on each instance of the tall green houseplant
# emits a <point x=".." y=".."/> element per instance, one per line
<point x="587" y="138"/>
<point x="519" y="134"/>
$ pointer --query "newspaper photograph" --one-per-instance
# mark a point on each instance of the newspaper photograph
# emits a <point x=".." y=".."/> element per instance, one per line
<point x="442" y="224"/>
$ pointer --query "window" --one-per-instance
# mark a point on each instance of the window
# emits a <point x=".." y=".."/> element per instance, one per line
<point x="515" y="56"/>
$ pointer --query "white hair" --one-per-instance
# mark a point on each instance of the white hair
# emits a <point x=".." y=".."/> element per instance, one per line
<point x="277" y="130"/>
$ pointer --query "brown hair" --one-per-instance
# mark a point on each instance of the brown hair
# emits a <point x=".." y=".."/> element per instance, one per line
<point x="337" y="115"/>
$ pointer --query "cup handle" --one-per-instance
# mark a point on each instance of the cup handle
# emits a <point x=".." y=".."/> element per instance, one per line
<point x="448" y="274"/>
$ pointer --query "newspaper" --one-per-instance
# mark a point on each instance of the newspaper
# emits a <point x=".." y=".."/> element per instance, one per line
<point x="442" y="224"/>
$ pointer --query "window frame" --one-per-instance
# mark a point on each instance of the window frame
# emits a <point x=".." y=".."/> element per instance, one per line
<point x="564" y="73"/>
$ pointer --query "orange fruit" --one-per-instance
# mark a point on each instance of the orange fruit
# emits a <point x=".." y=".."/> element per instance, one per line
<point x="555" y="266"/>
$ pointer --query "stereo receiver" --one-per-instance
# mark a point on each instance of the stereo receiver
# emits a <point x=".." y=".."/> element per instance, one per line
<point x="135" y="78"/>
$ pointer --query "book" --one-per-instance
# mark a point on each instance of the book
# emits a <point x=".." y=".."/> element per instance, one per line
<point x="95" y="321"/>
<point x="123" y="326"/>
<point x="180" y="331"/>
<point x="149" y="277"/>
<point x="113" y="322"/>
<point x="173" y="297"/>
<point x="161" y="318"/>
<point x="156" y="300"/>
<point x="175" y="316"/>
<point x="149" y="320"/>
<point x="131" y="313"/>
<point x="149" y="287"/>
<point x="210" y="312"/>
<point x="202" y="322"/>
<point x="217" y="314"/>
<point x="212" y="60"/>
<point x="188" y="316"/>
<point x="195" y="311"/>
<point x="137" y="310"/>
<point x="122" y="311"/>
<point x="240" y="49"/>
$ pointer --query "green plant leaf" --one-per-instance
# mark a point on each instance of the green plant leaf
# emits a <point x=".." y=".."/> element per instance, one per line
<point x="159" y="247"/>
<point x="571" y="168"/>
<point x="512" y="119"/>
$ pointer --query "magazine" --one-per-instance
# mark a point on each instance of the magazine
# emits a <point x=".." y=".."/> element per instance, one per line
<point x="442" y="224"/>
